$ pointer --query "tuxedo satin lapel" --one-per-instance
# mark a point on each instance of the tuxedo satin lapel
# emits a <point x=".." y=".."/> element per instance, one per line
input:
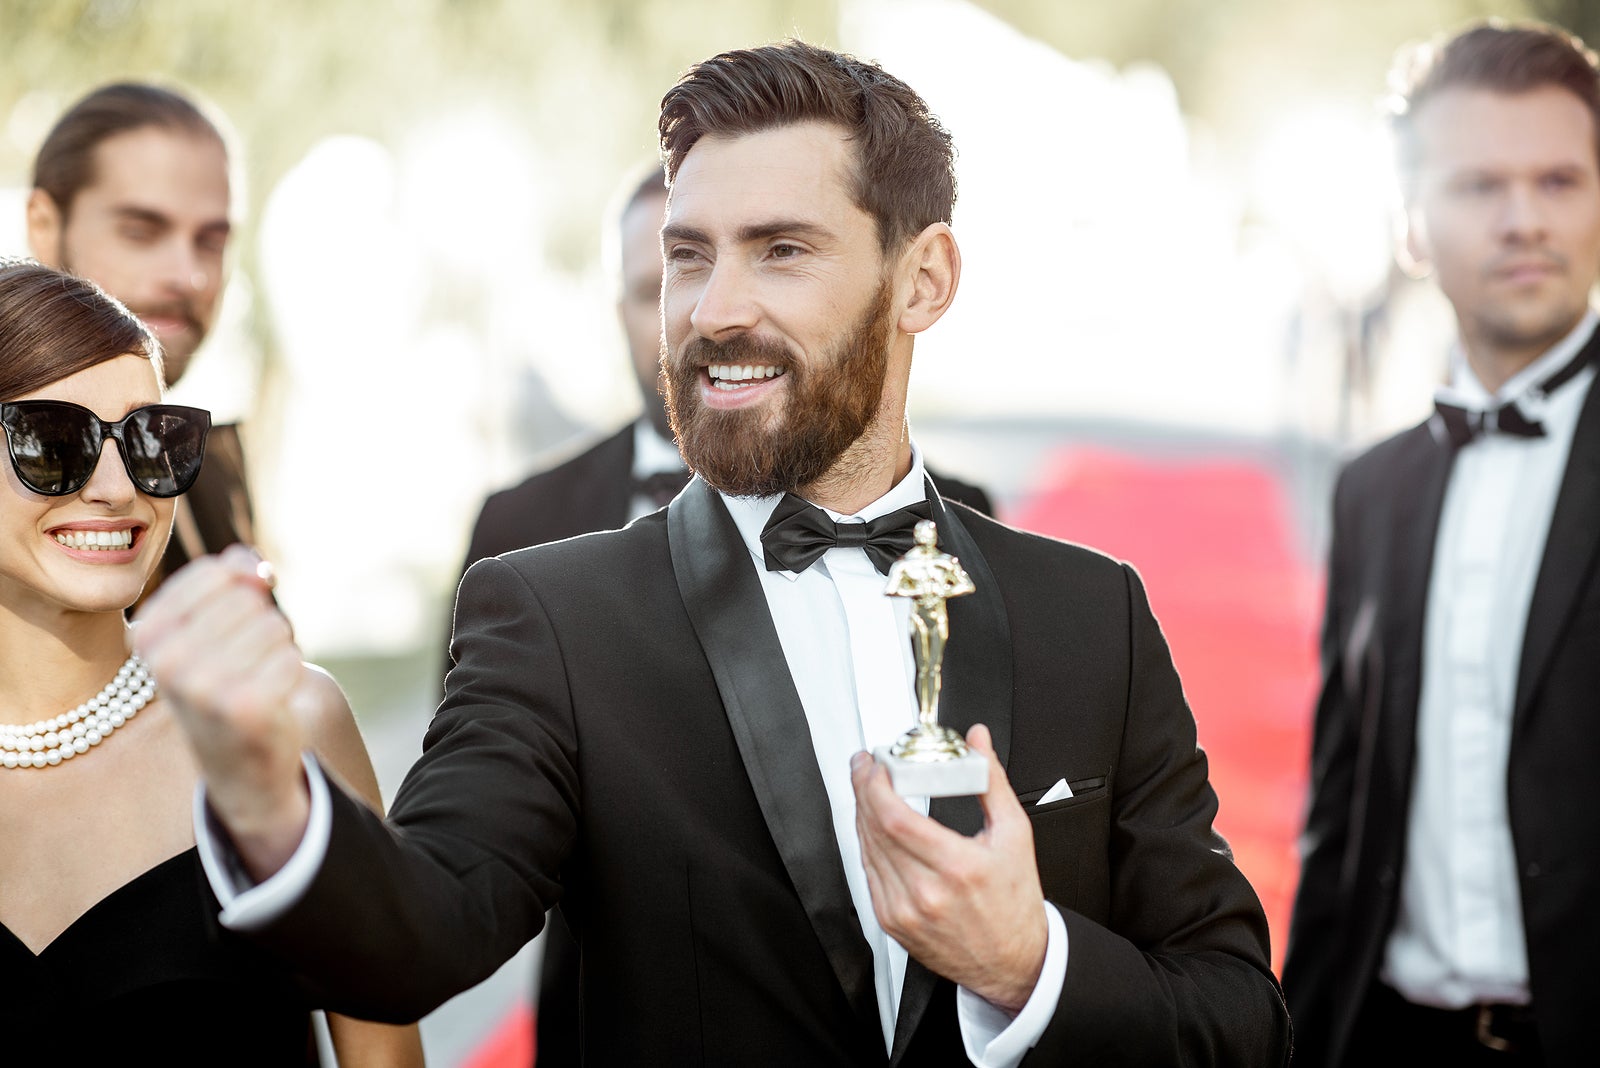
<point x="1568" y="554"/>
<point x="729" y="614"/>
<point x="1421" y="476"/>
<point x="976" y="689"/>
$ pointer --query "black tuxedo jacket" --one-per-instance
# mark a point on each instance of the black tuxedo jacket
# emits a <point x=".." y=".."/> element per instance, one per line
<point x="1385" y="517"/>
<point x="621" y="735"/>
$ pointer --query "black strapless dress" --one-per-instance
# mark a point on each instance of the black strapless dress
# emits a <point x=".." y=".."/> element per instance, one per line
<point x="147" y="976"/>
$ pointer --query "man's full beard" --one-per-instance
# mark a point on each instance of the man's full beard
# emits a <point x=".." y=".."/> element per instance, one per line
<point x="175" y="353"/>
<point x="751" y="452"/>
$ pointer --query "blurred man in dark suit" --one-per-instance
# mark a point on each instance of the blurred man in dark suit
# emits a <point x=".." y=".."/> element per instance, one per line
<point x="1444" y="913"/>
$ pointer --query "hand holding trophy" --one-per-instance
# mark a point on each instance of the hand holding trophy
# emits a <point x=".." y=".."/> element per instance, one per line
<point x="930" y="760"/>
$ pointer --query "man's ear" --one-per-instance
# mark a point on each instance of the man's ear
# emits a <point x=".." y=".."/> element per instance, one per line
<point x="1411" y="248"/>
<point x="933" y="263"/>
<point x="44" y="228"/>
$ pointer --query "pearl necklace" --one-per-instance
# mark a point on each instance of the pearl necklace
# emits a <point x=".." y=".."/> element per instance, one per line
<point x="49" y="742"/>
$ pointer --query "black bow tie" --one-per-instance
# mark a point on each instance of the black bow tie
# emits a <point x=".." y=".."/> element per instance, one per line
<point x="799" y="532"/>
<point x="1464" y="424"/>
<point x="661" y="487"/>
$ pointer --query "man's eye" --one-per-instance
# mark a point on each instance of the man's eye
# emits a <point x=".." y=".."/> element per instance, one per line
<point x="138" y="233"/>
<point x="783" y="251"/>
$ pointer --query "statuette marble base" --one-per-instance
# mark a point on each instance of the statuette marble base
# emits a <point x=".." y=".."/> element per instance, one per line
<point x="960" y="776"/>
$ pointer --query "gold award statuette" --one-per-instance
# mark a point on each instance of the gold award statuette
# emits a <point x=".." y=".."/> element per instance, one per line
<point x="930" y="760"/>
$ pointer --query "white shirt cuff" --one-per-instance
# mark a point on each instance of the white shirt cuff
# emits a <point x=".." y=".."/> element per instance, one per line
<point x="247" y="905"/>
<point x="992" y="1037"/>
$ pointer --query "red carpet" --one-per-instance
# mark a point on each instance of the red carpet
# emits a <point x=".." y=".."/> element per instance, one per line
<point x="510" y="1046"/>
<point x="1215" y="542"/>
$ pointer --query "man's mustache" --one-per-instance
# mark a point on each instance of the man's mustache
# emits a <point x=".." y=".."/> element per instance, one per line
<point x="1516" y="260"/>
<point x="739" y="350"/>
<point x="177" y="309"/>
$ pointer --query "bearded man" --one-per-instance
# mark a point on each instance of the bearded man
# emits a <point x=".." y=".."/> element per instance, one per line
<point x="662" y="729"/>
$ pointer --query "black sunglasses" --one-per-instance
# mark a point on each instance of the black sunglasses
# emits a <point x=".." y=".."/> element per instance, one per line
<point x="56" y="445"/>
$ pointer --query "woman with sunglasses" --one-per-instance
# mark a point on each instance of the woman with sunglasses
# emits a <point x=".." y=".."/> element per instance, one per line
<point x="108" y="947"/>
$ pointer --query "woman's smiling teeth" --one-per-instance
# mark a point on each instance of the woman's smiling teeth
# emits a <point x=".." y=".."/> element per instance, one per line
<point x="728" y="376"/>
<point x="95" y="539"/>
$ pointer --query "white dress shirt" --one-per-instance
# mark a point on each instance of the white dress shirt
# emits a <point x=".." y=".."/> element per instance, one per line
<point x="849" y="653"/>
<point x="1458" y="937"/>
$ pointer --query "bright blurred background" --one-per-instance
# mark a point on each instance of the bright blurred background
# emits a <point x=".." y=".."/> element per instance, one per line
<point x="1178" y="307"/>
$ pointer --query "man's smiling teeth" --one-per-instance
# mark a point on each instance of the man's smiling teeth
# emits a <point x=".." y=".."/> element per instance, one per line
<point x="723" y="375"/>
<point x="95" y="539"/>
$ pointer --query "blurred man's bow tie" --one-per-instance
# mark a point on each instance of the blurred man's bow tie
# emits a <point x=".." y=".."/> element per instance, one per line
<point x="661" y="487"/>
<point x="1462" y="425"/>
<point x="1465" y="424"/>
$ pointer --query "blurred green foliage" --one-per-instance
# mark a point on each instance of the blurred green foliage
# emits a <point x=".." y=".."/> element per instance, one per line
<point x="584" y="76"/>
<point x="1236" y="62"/>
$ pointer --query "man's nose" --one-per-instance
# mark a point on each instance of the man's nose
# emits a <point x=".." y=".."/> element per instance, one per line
<point x="1522" y="215"/>
<point x="182" y="270"/>
<point x="727" y="303"/>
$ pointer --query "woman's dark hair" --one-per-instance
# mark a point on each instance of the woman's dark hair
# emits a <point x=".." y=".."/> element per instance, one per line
<point x="53" y="325"/>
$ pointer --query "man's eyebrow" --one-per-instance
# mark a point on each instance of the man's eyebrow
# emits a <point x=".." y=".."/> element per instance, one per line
<point x="679" y="232"/>
<point x="149" y="216"/>
<point x="752" y="232"/>
<point x="134" y="213"/>
<point x="784" y="228"/>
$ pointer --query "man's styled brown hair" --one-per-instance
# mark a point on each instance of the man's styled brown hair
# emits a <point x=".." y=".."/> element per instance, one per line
<point x="1494" y="55"/>
<point x="904" y="161"/>
<point x="65" y="163"/>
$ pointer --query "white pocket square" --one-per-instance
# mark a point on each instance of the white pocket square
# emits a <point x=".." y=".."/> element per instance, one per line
<point x="1059" y="792"/>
